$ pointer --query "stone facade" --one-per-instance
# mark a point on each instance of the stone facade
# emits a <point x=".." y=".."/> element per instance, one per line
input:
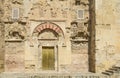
<point x="32" y="25"/>
<point x="79" y="41"/>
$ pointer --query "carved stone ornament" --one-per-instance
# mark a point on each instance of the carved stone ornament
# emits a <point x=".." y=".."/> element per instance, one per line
<point x="17" y="1"/>
<point x="15" y="31"/>
<point x="79" y="30"/>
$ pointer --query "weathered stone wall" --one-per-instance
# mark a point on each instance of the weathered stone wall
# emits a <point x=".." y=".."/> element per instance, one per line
<point x="79" y="37"/>
<point x="107" y="34"/>
<point x="71" y="16"/>
<point x="14" y="56"/>
<point x="2" y="48"/>
<point x="14" y="34"/>
<point x="73" y="47"/>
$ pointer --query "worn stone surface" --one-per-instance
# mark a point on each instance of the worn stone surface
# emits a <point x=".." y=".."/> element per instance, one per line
<point x="14" y="56"/>
<point x="107" y="36"/>
<point x="88" y="41"/>
<point x="43" y="23"/>
<point x="2" y="43"/>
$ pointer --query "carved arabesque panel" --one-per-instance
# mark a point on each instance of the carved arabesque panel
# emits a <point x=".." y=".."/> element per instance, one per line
<point x="15" y="31"/>
<point x="79" y="37"/>
<point x="79" y="31"/>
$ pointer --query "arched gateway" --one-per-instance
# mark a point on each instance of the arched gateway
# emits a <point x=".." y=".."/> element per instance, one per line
<point x="50" y="26"/>
<point x="49" y="36"/>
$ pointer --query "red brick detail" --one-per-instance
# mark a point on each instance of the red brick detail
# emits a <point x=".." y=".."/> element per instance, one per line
<point x="50" y="26"/>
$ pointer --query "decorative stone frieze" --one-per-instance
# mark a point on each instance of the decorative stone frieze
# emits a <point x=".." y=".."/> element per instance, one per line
<point x="17" y="1"/>
<point x="79" y="30"/>
<point x="15" y="31"/>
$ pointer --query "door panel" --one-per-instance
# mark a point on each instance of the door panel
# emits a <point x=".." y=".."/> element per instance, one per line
<point x="48" y="58"/>
<point x="44" y="59"/>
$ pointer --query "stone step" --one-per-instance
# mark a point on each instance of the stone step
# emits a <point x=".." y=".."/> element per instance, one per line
<point x="113" y="69"/>
<point x="107" y="73"/>
<point x="116" y="67"/>
<point x="110" y="71"/>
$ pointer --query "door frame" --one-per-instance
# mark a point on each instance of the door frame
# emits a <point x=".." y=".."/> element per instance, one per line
<point x="40" y="57"/>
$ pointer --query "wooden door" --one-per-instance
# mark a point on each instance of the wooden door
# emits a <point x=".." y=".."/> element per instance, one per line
<point x="48" y="58"/>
